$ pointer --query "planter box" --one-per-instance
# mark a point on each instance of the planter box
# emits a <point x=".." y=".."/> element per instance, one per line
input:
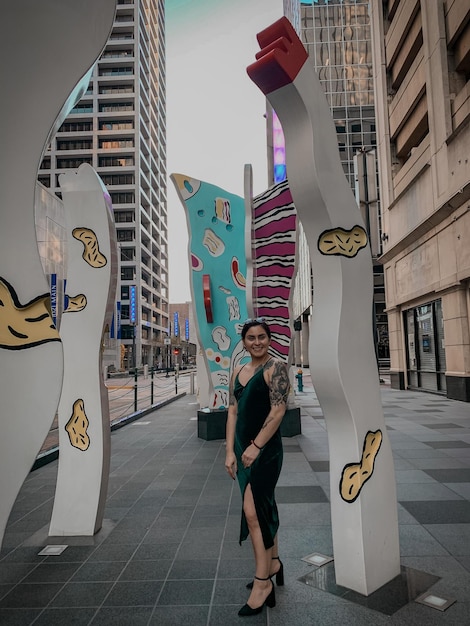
<point x="211" y="424"/>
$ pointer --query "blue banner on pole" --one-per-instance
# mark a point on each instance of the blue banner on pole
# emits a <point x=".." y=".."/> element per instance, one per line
<point x="118" y="320"/>
<point x="186" y="330"/>
<point x="54" y="298"/>
<point x="132" y="306"/>
<point x="176" y="324"/>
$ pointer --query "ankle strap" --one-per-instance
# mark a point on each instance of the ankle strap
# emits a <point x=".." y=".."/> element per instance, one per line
<point x="275" y="557"/>
<point x="258" y="578"/>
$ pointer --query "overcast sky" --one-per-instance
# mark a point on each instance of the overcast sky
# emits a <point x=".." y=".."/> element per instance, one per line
<point x="215" y="113"/>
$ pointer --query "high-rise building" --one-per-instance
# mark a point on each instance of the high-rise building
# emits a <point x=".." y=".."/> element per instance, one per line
<point x="119" y="127"/>
<point x="337" y="37"/>
<point x="421" y="52"/>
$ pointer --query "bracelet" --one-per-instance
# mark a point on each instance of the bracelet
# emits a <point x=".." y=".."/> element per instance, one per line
<point x="256" y="445"/>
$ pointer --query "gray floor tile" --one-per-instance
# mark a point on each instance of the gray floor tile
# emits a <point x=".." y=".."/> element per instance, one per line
<point x="441" y="425"/>
<point x="320" y="466"/>
<point x="424" y="491"/>
<point x="176" y="592"/>
<point x="18" y="617"/>
<point x="146" y="570"/>
<point x="122" y="616"/>
<point x="81" y="594"/>
<point x="193" y="569"/>
<point x="113" y="552"/>
<point x="454" y="512"/>
<point x="292" y="495"/>
<point x="448" y="444"/>
<point x="461" y="475"/>
<point x="30" y="595"/>
<point x="52" y="573"/>
<point x="134" y="593"/>
<point x="462" y="489"/>
<point x="413" y="476"/>
<point x="179" y="616"/>
<point x="155" y="551"/>
<point x="417" y="540"/>
<point x="99" y="571"/>
<point x="59" y="617"/>
<point x="454" y="537"/>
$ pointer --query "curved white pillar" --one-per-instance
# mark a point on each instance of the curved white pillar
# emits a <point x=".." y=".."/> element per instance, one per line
<point x="342" y="358"/>
<point x="46" y="48"/>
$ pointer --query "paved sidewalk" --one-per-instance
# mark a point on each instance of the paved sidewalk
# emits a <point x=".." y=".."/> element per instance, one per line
<point x="168" y="552"/>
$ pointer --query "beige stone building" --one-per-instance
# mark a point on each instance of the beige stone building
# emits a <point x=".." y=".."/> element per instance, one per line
<point x="422" y="80"/>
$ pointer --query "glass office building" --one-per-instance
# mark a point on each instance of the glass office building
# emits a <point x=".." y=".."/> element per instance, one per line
<point x="337" y="36"/>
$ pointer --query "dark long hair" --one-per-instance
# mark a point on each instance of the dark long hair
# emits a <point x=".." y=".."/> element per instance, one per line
<point x="257" y="321"/>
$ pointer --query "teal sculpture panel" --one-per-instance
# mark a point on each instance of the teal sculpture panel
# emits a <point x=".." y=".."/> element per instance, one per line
<point x="217" y="247"/>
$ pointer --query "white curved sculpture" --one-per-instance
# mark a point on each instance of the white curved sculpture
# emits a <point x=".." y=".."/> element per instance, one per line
<point x="84" y="431"/>
<point x="341" y="351"/>
<point x="47" y="48"/>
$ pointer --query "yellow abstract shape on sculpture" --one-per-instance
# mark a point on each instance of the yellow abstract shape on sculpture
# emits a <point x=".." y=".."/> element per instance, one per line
<point x="24" y="326"/>
<point x="341" y="242"/>
<point x="77" y="426"/>
<point x="76" y="303"/>
<point x="91" y="253"/>
<point x="356" y="474"/>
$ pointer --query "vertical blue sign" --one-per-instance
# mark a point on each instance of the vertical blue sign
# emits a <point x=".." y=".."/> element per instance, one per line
<point x="186" y="330"/>
<point x="54" y="298"/>
<point x="132" y="305"/>
<point x="66" y="298"/>
<point x="118" y="319"/>
<point x="176" y="324"/>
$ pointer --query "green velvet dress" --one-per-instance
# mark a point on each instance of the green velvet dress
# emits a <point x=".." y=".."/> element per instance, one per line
<point x="253" y="407"/>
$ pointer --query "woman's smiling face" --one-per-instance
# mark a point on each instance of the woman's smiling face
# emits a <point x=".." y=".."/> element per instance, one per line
<point x="257" y="342"/>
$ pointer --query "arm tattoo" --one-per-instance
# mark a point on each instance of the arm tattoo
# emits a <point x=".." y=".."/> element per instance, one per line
<point x="264" y="366"/>
<point x="267" y="421"/>
<point x="279" y="387"/>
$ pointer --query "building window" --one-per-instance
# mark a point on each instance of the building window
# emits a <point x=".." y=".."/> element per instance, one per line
<point x="109" y="89"/>
<point x="123" y="197"/>
<point x="112" y="107"/>
<point x="72" y="162"/>
<point x="118" y="179"/>
<point x="82" y="107"/>
<point x="75" y="144"/>
<point x="115" y="71"/>
<point x="127" y="254"/>
<point x="116" y="144"/>
<point x="127" y="273"/>
<point x="76" y="127"/>
<point x="121" y="217"/>
<point x="115" y="161"/>
<point x="121" y="125"/>
<point x="125" y="235"/>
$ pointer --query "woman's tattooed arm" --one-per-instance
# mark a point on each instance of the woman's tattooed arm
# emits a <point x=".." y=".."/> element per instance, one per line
<point x="279" y="387"/>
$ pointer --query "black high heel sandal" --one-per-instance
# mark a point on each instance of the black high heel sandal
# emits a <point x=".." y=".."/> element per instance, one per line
<point x="270" y="601"/>
<point x="279" y="575"/>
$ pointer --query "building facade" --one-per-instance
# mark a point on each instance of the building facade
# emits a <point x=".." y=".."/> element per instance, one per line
<point x="421" y="51"/>
<point x="119" y="127"/>
<point x="182" y="344"/>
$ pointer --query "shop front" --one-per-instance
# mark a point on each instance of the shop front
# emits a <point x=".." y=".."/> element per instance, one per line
<point x="425" y="347"/>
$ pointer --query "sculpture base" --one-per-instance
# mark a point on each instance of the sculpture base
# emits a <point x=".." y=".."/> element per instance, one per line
<point x="211" y="424"/>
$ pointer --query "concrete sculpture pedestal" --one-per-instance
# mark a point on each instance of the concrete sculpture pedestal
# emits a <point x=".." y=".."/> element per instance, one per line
<point x="211" y="424"/>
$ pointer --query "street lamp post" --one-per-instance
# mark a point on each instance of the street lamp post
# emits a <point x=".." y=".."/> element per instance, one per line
<point x="134" y="360"/>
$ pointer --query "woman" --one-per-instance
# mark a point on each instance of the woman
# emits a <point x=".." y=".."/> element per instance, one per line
<point x="258" y="398"/>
